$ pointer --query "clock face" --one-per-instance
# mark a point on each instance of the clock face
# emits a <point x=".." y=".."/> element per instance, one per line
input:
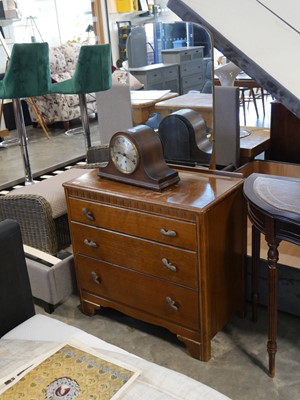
<point x="124" y="154"/>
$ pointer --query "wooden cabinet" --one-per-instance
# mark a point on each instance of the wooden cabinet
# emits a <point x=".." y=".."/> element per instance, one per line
<point x="158" y="76"/>
<point x="173" y="258"/>
<point x="191" y="69"/>
<point x="285" y="134"/>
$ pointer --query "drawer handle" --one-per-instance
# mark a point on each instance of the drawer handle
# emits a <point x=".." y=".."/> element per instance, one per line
<point x="88" y="214"/>
<point x="167" y="232"/>
<point x="169" y="265"/>
<point x="90" y="243"/>
<point x="95" y="278"/>
<point x="171" y="303"/>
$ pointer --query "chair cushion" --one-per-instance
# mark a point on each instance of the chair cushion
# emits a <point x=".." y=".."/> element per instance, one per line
<point x="55" y="108"/>
<point x="72" y="100"/>
<point x="61" y="76"/>
<point x="124" y="77"/>
<point x="57" y="61"/>
<point x="71" y="53"/>
<point x="51" y="190"/>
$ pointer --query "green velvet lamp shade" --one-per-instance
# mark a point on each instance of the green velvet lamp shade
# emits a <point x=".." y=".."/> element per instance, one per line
<point x="93" y="72"/>
<point x="28" y="72"/>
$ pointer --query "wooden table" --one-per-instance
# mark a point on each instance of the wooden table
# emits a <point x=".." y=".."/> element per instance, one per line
<point x="254" y="144"/>
<point x="201" y="102"/>
<point x="274" y="211"/>
<point x="144" y="104"/>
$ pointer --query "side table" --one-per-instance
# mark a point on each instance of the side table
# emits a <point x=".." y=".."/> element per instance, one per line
<point x="274" y="210"/>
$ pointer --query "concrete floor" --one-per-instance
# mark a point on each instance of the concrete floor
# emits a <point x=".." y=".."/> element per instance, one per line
<point x="238" y="367"/>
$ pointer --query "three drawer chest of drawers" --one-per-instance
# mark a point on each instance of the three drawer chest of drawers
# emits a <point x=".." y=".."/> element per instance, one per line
<point x="191" y="66"/>
<point x="173" y="258"/>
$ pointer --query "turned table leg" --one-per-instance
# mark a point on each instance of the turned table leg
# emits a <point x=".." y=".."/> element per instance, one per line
<point x="265" y="194"/>
<point x="272" y="305"/>
<point x="255" y="271"/>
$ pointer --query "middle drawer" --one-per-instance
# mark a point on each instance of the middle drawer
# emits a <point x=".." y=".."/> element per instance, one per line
<point x="166" y="262"/>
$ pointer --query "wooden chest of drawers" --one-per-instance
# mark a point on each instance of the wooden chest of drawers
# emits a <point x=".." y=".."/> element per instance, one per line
<point x="174" y="258"/>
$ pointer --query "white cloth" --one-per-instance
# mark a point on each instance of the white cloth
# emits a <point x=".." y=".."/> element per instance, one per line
<point x="34" y="337"/>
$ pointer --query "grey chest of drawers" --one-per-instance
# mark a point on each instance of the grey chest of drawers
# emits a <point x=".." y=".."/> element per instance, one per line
<point x="190" y="61"/>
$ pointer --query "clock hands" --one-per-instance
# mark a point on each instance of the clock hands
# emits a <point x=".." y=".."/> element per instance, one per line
<point x="124" y="155"/>
<point x="124" y="159"/>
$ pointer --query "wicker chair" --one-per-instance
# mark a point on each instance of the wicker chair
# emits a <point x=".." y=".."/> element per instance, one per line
<point x="41" y="212"/>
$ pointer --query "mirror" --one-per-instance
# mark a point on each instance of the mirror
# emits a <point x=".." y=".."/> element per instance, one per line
<point x="160" y="42"/>
<point x="176" y="57"/>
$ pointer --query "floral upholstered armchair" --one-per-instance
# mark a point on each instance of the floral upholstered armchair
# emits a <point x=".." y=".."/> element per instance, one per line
<point x="62" y="107"/>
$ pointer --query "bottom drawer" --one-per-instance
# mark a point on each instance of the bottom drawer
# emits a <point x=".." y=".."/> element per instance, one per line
<point x="141" y="292"/>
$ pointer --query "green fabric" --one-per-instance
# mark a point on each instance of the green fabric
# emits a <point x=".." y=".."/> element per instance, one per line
<point x="28" y="72"/>
<point x="93" y="71"/>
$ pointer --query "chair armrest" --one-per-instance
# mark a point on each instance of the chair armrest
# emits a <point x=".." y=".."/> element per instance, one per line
<point x="48" y="258"/>
<point x="52" y="284"/>
<point x="34" y="215"/>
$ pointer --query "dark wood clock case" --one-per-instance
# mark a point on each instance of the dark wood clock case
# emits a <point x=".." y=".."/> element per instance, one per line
<point x="184" y="138"/>
<point x="152" y="171"/>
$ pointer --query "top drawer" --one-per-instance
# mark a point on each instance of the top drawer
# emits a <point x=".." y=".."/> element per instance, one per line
<point x="182" y="55"/>
<point x="197" y="54"/>
<point x="170" y="73"/>
<point x="147" y="226"/>
<point x="154" y="76"/>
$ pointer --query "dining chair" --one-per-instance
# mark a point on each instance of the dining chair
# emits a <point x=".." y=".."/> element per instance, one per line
<point x="27" y="75"/>
<point x="261" y="94"/>
<point x="93" y="73"/>
<point x="247" y="95"/>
